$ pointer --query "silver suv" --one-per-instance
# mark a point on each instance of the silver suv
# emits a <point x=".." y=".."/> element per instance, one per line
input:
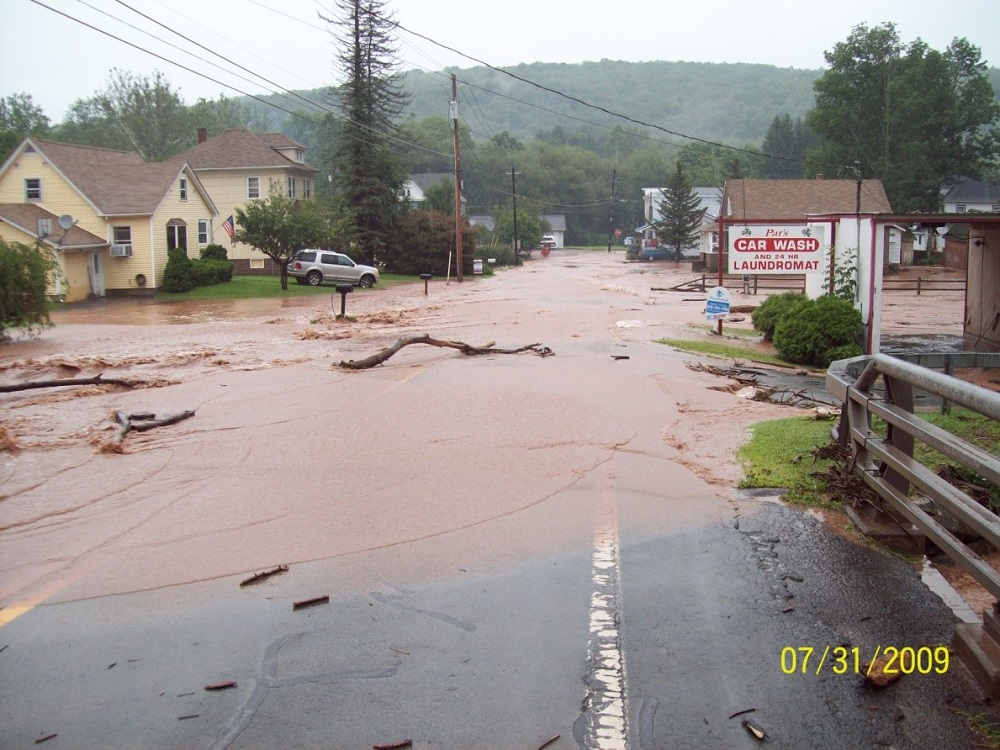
<point x="313" y="267"/>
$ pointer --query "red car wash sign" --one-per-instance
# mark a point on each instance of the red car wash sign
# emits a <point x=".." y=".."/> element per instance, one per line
<point x="789" y="248"/>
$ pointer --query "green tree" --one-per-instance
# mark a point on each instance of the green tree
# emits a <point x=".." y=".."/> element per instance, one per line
<point x="24" y="277"/>
<point x="422" y="241"/>
<point x="133" y="113"/>
<point x="529" y="227"/>
<point x="785" y="148"/>
<point x="19" y="117"/>
<point x="369" y="173"/>
<point x="279" y="227"/>
<point x="682" y="214"/>
<point x="440" y="197"/>
<point x="913" y="116"/>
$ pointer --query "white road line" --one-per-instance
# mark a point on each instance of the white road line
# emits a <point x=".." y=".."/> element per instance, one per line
<point x="606" y="718"/>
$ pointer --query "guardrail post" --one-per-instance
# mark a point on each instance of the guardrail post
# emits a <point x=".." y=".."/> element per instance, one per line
<point x="918" y="285"/>
<point x="900" y="393"/>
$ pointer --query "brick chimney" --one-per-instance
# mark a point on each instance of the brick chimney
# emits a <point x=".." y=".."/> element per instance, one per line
<point x="202" y="135"/>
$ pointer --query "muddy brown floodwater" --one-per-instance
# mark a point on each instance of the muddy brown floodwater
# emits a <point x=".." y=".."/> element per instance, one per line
<point x="288" y="455"/>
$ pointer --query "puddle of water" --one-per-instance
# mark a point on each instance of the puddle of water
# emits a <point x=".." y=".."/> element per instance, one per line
<point x="926" y="342"/>
<point x="937" y="583"/>
<point x="141" y="311"/>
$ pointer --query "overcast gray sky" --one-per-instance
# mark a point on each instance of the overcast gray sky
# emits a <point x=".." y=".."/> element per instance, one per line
<point x="57" y="60"/>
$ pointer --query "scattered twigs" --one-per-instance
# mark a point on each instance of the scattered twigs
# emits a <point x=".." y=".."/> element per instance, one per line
<point x="467" y="349"/>
<point x="311" y="602"/>
<point x="548" y="742"/>
<point x="96" y="380"/>
<point x="394" y="745"/>
<point x="145" y="420"/>
<point x="258" y="577"/>
<point x="223" y="685"/>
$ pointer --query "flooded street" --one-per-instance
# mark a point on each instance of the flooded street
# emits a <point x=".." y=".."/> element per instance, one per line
<point x="512" y="547"/>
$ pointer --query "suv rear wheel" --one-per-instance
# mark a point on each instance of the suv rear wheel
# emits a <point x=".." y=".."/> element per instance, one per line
<point x="314" y="278"/>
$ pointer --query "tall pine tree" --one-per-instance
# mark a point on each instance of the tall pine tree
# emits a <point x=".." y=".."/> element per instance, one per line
<point x="369" y="174"/>
<point x="682" y="214"/>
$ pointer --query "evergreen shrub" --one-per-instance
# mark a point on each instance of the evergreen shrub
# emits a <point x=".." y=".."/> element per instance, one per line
<point x="816" y="332"/>
<point x="766" y="317"/>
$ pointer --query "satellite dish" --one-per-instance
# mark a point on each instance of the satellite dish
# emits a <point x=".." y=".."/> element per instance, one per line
<point x="66" y="221"/>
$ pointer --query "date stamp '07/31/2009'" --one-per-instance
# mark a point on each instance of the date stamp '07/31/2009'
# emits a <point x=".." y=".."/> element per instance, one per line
<point x="843" y="660"/>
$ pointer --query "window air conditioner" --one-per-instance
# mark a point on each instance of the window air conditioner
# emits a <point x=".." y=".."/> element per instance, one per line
<point x="121" y="251"/>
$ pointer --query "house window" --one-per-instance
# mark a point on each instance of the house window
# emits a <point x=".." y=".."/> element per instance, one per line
<point x="307" y="188"/>
<point x="996" y="208"/>
<point x="257" y="263"/>
<point x="184" y="189"/>
<point x="122" y="238"/>
<point x="253" y="187"/>
<point x="44" y="228"/>
<point x="202" y="232"/>
<point x="291" y="187"/>
<point x="299" y="156"/>
<point x="177" y="237"/>
<point x="960" y="208"/>
<point x="32" y="189"/>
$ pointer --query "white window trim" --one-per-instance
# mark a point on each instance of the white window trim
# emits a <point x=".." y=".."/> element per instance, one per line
<point x="28" y="197"/>
<point x="203" y="223"/>
<point x="184" y="189"/>
<point x="291" y="187"/>
<point x="250" y="196"/>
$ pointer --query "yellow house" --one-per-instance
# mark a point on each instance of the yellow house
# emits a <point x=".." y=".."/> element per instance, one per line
<point x="109" y="216"/>
<point x="237" y="167"/>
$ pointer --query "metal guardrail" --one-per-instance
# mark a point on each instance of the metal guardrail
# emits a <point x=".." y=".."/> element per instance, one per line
<point x="886" y="463"/>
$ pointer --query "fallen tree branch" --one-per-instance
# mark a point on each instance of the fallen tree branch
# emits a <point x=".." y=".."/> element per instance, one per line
<point x="96" y="380"/>
<point x="145" y="420"/>
<point x="467" y="349"/>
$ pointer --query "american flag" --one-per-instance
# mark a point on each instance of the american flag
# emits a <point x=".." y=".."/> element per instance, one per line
<point x="229" y="227"/>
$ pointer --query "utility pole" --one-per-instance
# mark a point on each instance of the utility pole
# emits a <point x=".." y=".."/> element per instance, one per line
<point x="611" y="218"/>
<point x="513" y="187"/>
<point x="458" y="179"/>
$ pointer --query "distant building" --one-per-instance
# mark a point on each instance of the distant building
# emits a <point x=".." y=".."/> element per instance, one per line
<point x="417" y="185"/>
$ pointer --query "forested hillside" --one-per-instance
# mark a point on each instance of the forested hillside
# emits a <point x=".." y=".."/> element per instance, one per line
<point x="730" y="103"/>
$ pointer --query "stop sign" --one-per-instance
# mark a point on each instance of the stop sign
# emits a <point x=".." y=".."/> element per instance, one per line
<point x="618" y="233"/>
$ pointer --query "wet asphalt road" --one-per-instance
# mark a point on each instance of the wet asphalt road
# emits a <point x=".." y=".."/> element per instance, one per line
<point x="554" y="570"/>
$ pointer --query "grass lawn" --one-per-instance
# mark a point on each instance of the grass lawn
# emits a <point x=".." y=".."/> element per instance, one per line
<point x="251" y="287"/>
<point x="727" y="351"/>
<point x="779" y="454"/>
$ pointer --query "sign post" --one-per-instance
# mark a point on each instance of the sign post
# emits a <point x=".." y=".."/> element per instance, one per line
<point x="717" y="304"/>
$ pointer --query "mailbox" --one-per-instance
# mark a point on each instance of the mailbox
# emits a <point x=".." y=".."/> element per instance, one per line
<point x="343" y="290"/>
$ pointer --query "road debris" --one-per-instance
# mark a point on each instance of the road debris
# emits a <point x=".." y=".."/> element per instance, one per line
<point x="548" y="742"/>
<point x="394" y="745"/>
<point x="740" y="713"/>
<point x="63" y="382"/>
<point x="258" y="577"/>
<point x="189" y="716"/>
<point x="875" y="674"/>
<point x="224" y="685"/>
<point x="467" y="349"/>
<point x="311" y="602"/>
<point x="755" y="729"/>
<point x="146" y="420"/>
<point x="40" y="740"/>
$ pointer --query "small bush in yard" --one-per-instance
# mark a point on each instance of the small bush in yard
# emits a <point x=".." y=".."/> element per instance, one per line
<point x="214" y="252"/>
<point x="208" y="272"/>
<point x="178" y="276"/>
<point x="815" y="332"/>
<point x="766" y="317"/>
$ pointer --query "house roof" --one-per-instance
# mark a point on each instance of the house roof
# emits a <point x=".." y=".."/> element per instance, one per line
<point x="242" y="149"/>
<point x="556" y="221"/>
<point x="967" y="190"/>
<point x="796" y="199"/>
<point x="482" y="220"/>
<point x="115" y="182"/>
<point x="427" y="179"/>
<point x="25" y="217"/>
